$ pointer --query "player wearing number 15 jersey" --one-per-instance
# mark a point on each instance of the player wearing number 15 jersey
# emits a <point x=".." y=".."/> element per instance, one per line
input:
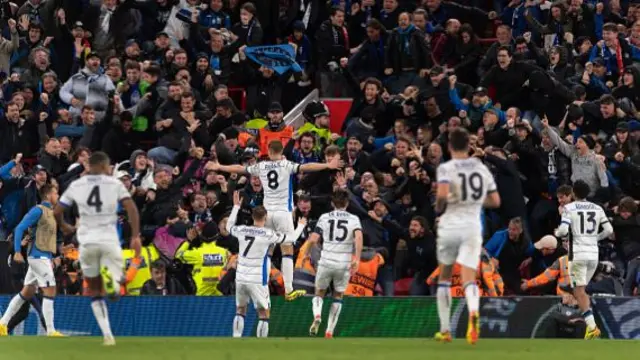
<point x="341" y="235"/>
<point x="252" y="270"/>
<point x="464" y="186"/>
<point x="276" y="175"/>
<point x="97" y="196"/>
<point x="581" y="220"/>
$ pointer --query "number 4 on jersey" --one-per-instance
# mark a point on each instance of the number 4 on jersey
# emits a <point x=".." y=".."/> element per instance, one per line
<point x="94" y="199"/>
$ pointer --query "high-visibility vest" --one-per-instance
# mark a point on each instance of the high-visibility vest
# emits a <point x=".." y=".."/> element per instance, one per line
<point x="208" y="261"/>
<point x="363" y="282"/>
<point x="138" y="272"/>
<point x="265" y="137"/>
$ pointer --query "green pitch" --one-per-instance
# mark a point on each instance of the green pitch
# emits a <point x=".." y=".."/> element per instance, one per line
<point x="90" y="348"/>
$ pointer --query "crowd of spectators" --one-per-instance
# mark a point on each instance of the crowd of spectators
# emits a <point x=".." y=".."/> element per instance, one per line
<point x="547" y="89"/>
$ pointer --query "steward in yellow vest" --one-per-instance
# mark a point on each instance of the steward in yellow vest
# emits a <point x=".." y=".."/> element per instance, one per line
<point x="138" y="272"/>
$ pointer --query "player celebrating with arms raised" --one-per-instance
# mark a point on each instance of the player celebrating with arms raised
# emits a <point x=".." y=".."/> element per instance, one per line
<point x="464" y="186"/>
<point x="581" y="220"/>
<point x="252" y="272"/>
<point x="275" y="175"/>
<point x="40" y="273"/>
<point x="97" y="196"/>
<point x="340" y="231"/>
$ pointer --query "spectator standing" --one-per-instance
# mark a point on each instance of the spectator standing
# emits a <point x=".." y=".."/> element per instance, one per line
<point x="332" y="46"/>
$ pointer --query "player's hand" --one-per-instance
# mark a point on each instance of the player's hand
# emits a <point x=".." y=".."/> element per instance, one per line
<point x="355" y="263"/>
<point x="237" y="200"/>
<point x="302" y="221"/>
<point x="523" y="285"/>
<point x="136" y="245"/>
<point x="17" y="257"/>
<point x="336" y="163"/>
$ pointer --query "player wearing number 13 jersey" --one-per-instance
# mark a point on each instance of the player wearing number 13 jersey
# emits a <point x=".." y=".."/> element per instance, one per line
<point x="464" y="186"/>
<point x="97" y="196"/>
<point x="276" y="177"/>
<point x="581" y="220"/>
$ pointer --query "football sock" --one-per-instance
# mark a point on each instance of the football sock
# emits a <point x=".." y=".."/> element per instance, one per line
<point x="100" y="312"/>
<point x="238" y="325"/>
<point x="472" y="296"/>
<point x="334" y="314"/>
<point x="589" y="319"/>
<point x="287" y="272"/>
<point x="263" y="328"/>
<point x="15" y="305"/>
<point x="444" y="305"/>
<point x="47" y="311"/>
<point x="317" y="307"/>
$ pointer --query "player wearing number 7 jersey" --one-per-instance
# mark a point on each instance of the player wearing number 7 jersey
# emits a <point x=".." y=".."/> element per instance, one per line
<point x="276" y="175"/>
<point x="581" y="220"/>
<point x="252" y="271"/>
<point x="465" y="185"/>
<point x="97" y="196"/>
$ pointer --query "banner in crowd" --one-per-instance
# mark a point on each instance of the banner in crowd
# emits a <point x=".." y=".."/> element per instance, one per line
<point x="411" y="317"/>
<point x="280" y="58"/>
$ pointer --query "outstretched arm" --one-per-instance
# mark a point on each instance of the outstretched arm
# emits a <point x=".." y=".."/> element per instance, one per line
<point x="335" y="163"/>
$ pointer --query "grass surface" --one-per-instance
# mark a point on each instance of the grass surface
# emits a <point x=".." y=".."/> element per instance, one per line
<point x="90" y="348"/>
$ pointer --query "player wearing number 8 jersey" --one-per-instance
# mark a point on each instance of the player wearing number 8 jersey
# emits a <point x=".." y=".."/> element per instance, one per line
<point x="341" y="235"/>
<point x="97" y="196"/>
<point x="581" y="220"/>
<point x="252" y="271"/>
<point x="465" y="185"/>
<point x="276" y="177"/>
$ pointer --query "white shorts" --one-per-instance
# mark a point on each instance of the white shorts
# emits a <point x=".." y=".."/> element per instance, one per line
<point x="282" y="222"/>
<point x="582" y="271"/>
<point x="325" y="275"/>
<point x="259" y="294"/>
<point x="40" y="273"/>
<point x="462" y="246"/>
<point x="94" y="256"/>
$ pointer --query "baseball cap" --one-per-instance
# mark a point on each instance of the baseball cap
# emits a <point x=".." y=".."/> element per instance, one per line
<point x="275" y="107"/>
<point x="92" y="55"/>
<point x="622" y="126"/>
<point x="78" y="24"/>
<point x="480" y="91"/>
<point x="162" y="33"/>
<point x="598" y="61"/>
<point x="634" y="125"/>
<point x="121" y="173"/>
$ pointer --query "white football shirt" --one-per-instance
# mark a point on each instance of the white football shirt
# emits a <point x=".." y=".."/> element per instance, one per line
<point x="253" y="261"/>
<point x="583" y="219"/>
<point x="469" y="183"/>
<point x="337" y="229"/>
<point x="97" y="198"/>
<point x="277" y="182"/>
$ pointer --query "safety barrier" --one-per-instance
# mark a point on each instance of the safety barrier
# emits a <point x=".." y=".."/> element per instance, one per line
<point x="513" y="317"/>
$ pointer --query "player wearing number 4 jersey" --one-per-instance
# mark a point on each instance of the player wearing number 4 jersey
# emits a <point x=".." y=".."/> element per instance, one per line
<point x="581" y="220"/>
<point x="252" y="271"/>
<point x="341" y="235"/>
<point x="276" y="175"/>
<point x="97" y="196"/>
<point x="465" y="185"/>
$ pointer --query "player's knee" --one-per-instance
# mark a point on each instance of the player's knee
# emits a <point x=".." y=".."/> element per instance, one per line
<point x="263" y="314"/>
<point x="321" y="293"/>
<point x="28" y="291"/>
<point x="49" y="292"/>
<point x="338" y="296"/>
<point x="241" y="310"/>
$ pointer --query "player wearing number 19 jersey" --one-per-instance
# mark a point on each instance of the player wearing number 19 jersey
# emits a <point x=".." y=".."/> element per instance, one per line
<point x="581" y="220"/>
<point x="464" y="186"/>
<point x="97" y="196"/>
<point x="276" y="175"/>
<point x="252" y="270"/>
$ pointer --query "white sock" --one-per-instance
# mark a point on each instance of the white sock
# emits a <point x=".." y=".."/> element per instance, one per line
<point x="263" y="328"/>
<point x="589" y="319"/>
<point x="317" y="307"/>
<point x="287" y="272"/>
<point x="334" y="314"/>
<point x="444" y="305"/>
<point x="47" y="312"/>
<point x="472" y="296"/>
<point x="99" y="307"/>
<point x="15" y="305"/>
<point x="238" y="325"/>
